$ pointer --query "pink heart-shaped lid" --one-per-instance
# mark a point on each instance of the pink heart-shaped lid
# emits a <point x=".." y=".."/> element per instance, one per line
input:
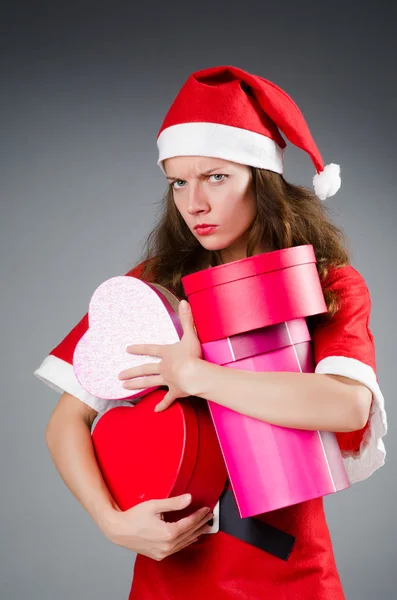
<point x="123" y="310"/>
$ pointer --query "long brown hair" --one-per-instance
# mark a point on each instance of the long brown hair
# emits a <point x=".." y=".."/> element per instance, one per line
<point x="287" y="215"/>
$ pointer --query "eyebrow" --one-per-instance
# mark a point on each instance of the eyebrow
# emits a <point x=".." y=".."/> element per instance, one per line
<point x="203" y="173"/>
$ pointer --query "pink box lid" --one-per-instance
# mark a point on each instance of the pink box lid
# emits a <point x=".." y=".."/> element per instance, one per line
<point x="248" y="267"/>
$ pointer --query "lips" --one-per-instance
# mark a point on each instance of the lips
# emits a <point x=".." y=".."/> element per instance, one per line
<point x="206" y="230"/>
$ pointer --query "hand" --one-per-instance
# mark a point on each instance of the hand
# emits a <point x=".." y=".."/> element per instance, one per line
<point x="175" y="366"/>
<point x="143" y="530"/>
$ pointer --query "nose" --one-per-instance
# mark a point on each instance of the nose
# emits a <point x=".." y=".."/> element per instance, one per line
<point x="197" y="200"/>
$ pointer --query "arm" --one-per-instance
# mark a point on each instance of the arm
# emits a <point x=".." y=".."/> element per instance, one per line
<point x="68" y="438"/>
<point x="299" y="400"/>
<point x="141" y="528"/>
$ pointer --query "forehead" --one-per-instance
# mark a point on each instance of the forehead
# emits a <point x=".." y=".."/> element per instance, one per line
<point x="191" y="166"/>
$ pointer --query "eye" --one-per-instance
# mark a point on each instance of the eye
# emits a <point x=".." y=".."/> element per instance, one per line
<point x="218" y="175"/>
<point x="177" y="181"/>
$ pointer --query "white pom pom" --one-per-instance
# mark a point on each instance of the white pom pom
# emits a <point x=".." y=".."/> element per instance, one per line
<point x="328" y="182"/>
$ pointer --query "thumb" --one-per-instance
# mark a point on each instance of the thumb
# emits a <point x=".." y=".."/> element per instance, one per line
<point x="186" y="315"/>
<point x="174" y="503"/>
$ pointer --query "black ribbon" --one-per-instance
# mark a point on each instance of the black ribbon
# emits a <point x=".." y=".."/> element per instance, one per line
<point x="251" y="530"/>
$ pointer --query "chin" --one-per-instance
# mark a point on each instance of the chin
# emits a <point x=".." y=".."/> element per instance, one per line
<point x="214" y="246"/>
<point x="211" y="242"/>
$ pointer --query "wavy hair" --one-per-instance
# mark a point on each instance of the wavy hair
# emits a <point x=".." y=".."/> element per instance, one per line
<point x="287" y="215"/>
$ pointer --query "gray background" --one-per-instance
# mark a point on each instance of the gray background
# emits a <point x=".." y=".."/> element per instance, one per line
<point x="84" y="91"/>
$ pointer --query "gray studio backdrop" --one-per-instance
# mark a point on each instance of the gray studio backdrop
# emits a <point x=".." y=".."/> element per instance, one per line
<point x="85" y="89"/>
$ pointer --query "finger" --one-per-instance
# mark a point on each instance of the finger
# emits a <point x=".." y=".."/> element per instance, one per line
<point x="182" y="545"/>
<point x="166" y="402"/>
<point x="145" y="369"/>
<point x="187" y="320"/>
<point x="149" y="349"/>
<point x="143" y="382"/>
<point x="198" y="529"/>
<point x="168" y="504"/>
<point x="190" y="539"/>
<point x="184" y="310"/>
<point x="191" y="522"/>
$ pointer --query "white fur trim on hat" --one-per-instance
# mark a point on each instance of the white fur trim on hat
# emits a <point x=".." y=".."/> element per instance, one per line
<point x="220" y="141"/>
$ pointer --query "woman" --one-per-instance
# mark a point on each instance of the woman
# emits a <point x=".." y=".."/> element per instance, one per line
<point x="222" y="153"/>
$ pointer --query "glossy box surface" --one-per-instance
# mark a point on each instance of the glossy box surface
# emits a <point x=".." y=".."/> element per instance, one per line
<point x="264" y="304"/>
<point x="254" y="292"/>
<point x="145" y="455"/>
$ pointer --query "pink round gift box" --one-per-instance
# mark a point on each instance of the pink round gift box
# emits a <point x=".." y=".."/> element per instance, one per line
<point x="250" y="314"/>
<point x="254" y="292"/>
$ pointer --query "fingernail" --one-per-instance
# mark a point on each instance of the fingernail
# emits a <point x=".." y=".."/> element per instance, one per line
<point x="185" y="306"/>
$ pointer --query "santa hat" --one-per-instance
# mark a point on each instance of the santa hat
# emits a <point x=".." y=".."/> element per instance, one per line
<point x="227" y="113"/>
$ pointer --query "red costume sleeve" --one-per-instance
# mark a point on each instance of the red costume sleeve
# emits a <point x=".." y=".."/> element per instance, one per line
<point x="345" y="346"/>
<point x="56" y="370"/>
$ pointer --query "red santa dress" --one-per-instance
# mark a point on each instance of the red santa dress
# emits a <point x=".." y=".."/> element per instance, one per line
<point x="220" y="566"/>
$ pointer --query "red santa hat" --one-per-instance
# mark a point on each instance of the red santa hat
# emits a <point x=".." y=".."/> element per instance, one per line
<point x="227" y="113"/>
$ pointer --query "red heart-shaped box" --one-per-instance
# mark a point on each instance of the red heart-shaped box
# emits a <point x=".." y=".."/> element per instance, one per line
<point x="144" y="455"/>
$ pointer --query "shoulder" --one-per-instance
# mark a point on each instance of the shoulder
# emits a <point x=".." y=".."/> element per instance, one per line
<point x="349" y="325"/>
<point x="348" y="284"/>
<point x="344" y="277"/>
<point x="347" y="332"/>
<point x="138" y="269"/>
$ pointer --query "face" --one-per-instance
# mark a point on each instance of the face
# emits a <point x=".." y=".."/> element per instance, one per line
<point x="216" y="192"/>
